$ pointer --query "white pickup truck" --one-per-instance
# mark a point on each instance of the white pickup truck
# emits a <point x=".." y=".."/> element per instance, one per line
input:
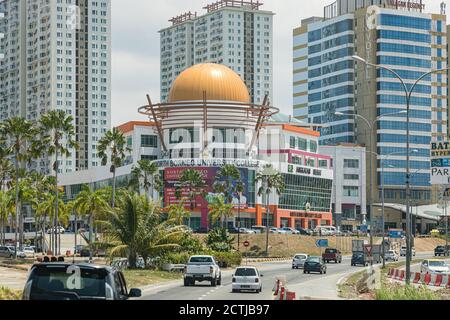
<point x="202" y="268"/>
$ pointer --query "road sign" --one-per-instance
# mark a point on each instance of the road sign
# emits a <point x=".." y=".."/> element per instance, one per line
<point x="440" y="163"/>
<point x="323" y="243"/>
<point x="368" y="250"/>
<point x="396" y="234"/>
<point x="246" y="244"/>
<point x="364" y="228"/>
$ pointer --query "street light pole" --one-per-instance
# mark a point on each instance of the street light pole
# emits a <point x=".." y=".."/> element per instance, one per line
<point x="408" y="93"/>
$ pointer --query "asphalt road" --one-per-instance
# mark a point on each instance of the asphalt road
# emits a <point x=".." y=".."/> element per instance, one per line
<point x="311" y="285"/>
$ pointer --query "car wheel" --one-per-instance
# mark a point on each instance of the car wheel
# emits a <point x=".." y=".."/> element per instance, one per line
<point x="213" y="283"/>
<point x="335" y="261"/>
<point x="304" y="272"/>
<point x="187" y="283"/>
<point x="321" y="272"/>
<point x="219" y="283"/>
<point x="325" y="272"/>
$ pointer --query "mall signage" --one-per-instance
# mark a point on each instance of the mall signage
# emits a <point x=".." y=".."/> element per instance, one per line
<point x="407" y="4"/>
<point x="208" y="163"/>
<point x="440" y="163"/>
<point x="303" y="170"/>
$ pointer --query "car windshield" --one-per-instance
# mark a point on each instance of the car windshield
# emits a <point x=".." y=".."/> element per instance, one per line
<point x="359" y="254"/>
<point x="245" y="272"/>
<point x="200" y="260"/>
<point x="330" y="251"/>
<point x="50" y="279"/>
<point x="438" y="264"/>
<point x="313" y="260"/>
<point x="300" y="257"/>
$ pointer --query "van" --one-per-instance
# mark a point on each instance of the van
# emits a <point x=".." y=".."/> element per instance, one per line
<point x="326" y="230"/>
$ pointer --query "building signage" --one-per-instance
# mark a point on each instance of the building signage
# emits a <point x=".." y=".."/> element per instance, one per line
<point x="306" y="215"/>
<point x="305" y="171"/>
<point x="406" y="4"/>
<point x="241" y="163"/>
<point x="440" y="163"/>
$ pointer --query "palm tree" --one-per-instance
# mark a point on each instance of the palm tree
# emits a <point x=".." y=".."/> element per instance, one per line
<point x="220" y="210"/>
<point x="271" y="180"/>
<point x="226" y="182"/>
<point x="59" y="133"/>
<point x="137" y="227"/>
<point x="178" y="213"/>
<point x="145" y="171"/>
<point x="114" y="144"/>
<point x="21" y="136"/>
<point x="91" y="204"/>
<point x="5" y="165"/>
<point x="192" y="182"/>
<point x="6" y="210"/>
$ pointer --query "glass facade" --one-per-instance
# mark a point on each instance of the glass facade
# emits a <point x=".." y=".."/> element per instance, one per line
<point x="315" y="191"/>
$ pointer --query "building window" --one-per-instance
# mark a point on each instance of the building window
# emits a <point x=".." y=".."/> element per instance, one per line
<point x="292" y="143"/>
<point x="349" y="213"/>
<point x="313" y="146"/>
<point x="351" y="163"/>
<point x="351" y="177"/>
<point x="150" y="158"/>
<point x="148" y="141"/>
<point x="302" y="144"/>
<point x="323" y="164"/>
<point x="351" y="192"/>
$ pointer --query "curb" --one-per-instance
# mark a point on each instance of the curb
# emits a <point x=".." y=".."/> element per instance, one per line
<point x="266" y="260"/>
<point x="8" y="266"/>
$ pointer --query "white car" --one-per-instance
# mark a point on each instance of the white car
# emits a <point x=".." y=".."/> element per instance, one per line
<point x="58" y="229"/>
<point x="290" y="230"/>
<point x="202" y="268"/>
<point x="247" y="279"/>
<point x="298" y="262"/>
<point x="434" y="267"/>
<point x="403" y="251"/>
<point x="391" y="255"/>
<point x="277" y="231"/>
<point x="246" y="231"/>
<point x="29" y="252"/>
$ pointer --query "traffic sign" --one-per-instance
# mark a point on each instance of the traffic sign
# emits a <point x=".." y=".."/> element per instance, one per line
<point x="246" y="244"/>
<point x="368" y="250"/>
<point x="396" y="234"/>
<point x="323" y="243"/>
<point x="364" y="228"/>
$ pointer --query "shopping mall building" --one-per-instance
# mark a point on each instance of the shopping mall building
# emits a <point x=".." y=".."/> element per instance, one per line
<point x="208" y="122"/>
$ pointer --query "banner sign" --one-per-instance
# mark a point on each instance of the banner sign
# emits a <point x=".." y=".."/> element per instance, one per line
<point x="440" y="163"/>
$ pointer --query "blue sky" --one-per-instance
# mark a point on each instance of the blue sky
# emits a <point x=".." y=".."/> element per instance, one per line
<point x="135" y="47"/>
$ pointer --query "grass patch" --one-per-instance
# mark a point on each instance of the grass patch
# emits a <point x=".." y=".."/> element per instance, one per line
<point x="400" y="292"/>
<point x="141" y="278"/>
<point x="8" y="294"/>
<point x="349" y="289"/>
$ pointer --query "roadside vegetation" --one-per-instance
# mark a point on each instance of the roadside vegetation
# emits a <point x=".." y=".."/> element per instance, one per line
<point x="8" y="294"/>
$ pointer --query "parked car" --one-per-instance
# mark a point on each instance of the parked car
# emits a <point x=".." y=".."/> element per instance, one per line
<point x="440" y="251"/>
<point x="10" y="252"/>
<point x="299" y="260"/>
<point x="57" y="229"/>
<point x="247" y="231"/>
<point x="315" y="264"/>
<point x="304" y="232"/>
<point x="434" y="267"/>
<point x="233" y="230"/>
<point x="359" y="258"/>
<point x="202" y="268"/>
<point x="246" y="278"/>
<point x="53" y="281"/>
<point x="391" y="255"/>
<point x="332" y="255"/>
<point x="259" y="229"/>
<point x="29" y="252"/>
<point x="325" y="231"/>
<point x="403" y="251"/>
<point x="290" y="230"/>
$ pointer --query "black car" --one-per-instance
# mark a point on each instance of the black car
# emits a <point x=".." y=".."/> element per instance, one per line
<point x="63" y="281"/>
<point x="304" y="232"/>
<point x="359" y="258"/>
<point x="315" y="264"/>
<point x="440" y="251"/>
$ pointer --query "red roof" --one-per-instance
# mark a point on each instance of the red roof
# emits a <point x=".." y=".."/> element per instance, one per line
<point x="129" y="126"/>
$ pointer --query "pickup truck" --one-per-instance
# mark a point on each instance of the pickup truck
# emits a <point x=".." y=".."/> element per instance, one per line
<point x="202" y="268"/>
<point x="332" y="255"/>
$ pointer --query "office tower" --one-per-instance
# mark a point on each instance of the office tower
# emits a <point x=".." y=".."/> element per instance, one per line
<point x="58" y="56"/>
<point x="398" y="35"/>
<point x="237" y="34"/>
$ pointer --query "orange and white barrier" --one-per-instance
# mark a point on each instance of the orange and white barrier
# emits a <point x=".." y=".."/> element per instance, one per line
<point x="281" y="292"/>
<point x="432" y="280"/>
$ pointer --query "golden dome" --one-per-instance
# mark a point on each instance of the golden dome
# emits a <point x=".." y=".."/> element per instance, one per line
<point x="220" y="83"/>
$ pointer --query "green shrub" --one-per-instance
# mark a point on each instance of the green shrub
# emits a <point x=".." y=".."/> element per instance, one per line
<point x="220" y="240"/>
<point x="175" y="258"/>
<point x="399" y="292"/>
<point x="228" y="259"/>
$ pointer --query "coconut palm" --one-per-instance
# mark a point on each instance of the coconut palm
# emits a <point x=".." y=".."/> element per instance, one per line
<point x="6" y="166"/>
<point x="136" y="227"/>
<point x="145" y="173"/>
<point x="178" y="213"/>
<point x="220" y="210"/>
<point x="20" y="136"/>
<point x="6" y="210"/>
<point x="227" y="179"/>
<point x="92" y="204"/>
<point x="58" y="135"/>
<point x="113" y="148"/>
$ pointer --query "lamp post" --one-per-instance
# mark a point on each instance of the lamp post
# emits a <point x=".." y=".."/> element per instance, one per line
<point x="371" y="126"/>
<point x="408" y="94"/>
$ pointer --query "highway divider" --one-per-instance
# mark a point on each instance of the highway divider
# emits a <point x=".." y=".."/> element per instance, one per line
<point x="428" y="279"/>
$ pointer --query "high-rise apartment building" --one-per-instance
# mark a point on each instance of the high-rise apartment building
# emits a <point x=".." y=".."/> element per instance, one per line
<point x="233" y="33"/>
<point x="57" y="55"/>
<point x="2" y="15"/>
<point x="397" y="35"/>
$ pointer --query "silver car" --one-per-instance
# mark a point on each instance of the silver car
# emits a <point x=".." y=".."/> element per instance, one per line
<point x="298" y="262"/>
<point x="247" y="279"/>
<point x="9" y="252"/>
